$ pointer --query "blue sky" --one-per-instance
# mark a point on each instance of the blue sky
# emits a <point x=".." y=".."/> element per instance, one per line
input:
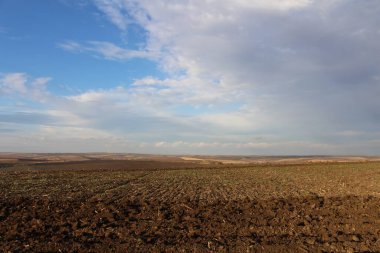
<point x="190" y="77"/>
<point x="33" y="31"/>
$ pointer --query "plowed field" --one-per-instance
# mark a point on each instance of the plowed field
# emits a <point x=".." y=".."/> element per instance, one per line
<point x="155" y="207"/>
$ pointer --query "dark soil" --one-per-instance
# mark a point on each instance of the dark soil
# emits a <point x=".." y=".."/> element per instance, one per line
<point x="350" y="224"/>
<point x="258" y="209"/>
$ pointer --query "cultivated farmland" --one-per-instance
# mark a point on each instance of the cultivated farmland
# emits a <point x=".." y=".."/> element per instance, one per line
<point x="181" y="206"/>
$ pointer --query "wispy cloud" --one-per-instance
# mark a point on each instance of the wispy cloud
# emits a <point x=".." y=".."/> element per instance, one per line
<point x="106" y="50"/>
<point x="72" y="46"/>
<point x="115" y="11"/>
<point x="20" y="84"/>
<point x="13" y="82"/>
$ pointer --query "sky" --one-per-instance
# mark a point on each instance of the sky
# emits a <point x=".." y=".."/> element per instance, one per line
<point x="237" y="77"/>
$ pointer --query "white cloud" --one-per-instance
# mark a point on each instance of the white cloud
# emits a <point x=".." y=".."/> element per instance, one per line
<point x="66" y="118"/>
<point x="67" y="133"/>
<point x="282" y="5"/>
<point x="115" y="11"/>
<point x="91" y="96"/>
<point x="64" y="139"/>
<point x="71" y="46"/>
<point x="13" y="83"/>
<point x="113" y="121"/>
<point x="40" y="83"/>
<point x="298" y="69"/>
<point x="106" y="50"/>
<point x="21" y="85"/>
<point x="150" y="80"/>
<point x="235" y="121"/>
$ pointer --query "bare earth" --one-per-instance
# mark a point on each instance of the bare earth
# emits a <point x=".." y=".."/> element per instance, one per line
<point x="140" y="203"/>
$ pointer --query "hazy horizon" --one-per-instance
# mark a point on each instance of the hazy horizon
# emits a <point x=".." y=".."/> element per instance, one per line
<point x="242" y="77"/>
